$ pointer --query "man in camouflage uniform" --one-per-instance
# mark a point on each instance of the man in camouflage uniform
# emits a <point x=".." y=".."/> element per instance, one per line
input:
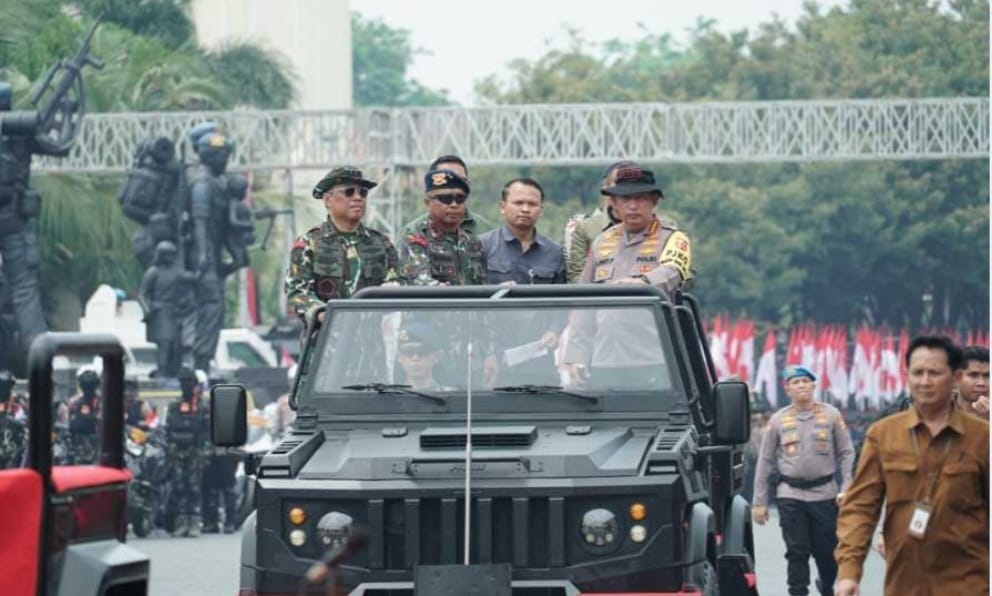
<point x="187" y="433"/>
<point x="441" y="251"/>
<point x="808" y="444"/>
<point x="340" y="256"/>
<point x="456" y="165"/>
<point x="582" y="229"/>
<point x="13" y="431"/>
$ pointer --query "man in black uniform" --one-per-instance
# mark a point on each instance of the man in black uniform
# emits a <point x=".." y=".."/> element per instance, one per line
<point x="84" y="419"/>
<point x="13" y="432"/>
<point x="186" y="431"/>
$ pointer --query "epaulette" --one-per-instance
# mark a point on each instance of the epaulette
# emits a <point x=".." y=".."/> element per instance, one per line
<point x="669" y="223"/>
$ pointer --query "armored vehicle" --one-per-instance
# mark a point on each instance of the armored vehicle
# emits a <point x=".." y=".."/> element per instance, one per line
<point x="439" y="449"/>
<point x="64" y="527"/>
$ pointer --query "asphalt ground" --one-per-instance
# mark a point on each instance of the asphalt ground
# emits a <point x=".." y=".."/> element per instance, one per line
<point x="208" y="565"/>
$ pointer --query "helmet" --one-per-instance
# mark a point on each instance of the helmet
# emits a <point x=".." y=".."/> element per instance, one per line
<point x="201" y="129"/>
<point x="88" y="379"/>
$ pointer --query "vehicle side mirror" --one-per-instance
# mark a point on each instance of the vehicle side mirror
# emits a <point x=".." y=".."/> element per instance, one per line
<point x="732" y="401"/>
<point x="228" y="415"/>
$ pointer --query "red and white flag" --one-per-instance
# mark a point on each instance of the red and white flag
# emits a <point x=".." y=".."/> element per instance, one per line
<point x="719" y="340"/>
<point x="766" y="377"/>
<point x="745" y="351"/>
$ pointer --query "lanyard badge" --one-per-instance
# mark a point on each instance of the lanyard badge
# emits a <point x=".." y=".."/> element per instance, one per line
<point x="920" y="519"/>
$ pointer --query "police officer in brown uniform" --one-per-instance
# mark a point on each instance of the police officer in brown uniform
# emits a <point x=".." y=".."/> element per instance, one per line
<point x="807" y="443"/>
<point x="642" y="249"/>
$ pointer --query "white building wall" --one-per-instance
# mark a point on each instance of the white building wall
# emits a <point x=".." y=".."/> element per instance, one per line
<point x="315" y="35"/>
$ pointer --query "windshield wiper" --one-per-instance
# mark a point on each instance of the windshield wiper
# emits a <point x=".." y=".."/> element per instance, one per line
<point x="546" y="390"/>
<point x="386" y="389"/>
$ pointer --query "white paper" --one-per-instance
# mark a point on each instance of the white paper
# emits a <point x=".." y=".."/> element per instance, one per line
<point x="525" y="353"/>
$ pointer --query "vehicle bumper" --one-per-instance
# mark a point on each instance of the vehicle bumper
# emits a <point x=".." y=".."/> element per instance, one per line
<point x="96" y="567"/>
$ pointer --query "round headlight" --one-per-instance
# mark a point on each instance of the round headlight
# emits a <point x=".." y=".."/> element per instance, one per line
<point x="638" y="533"/>
<point x="297" y="516"/>
<point x="297" y="537"/>
<point x="333" y="529"/>
<point x="599" y="527"/>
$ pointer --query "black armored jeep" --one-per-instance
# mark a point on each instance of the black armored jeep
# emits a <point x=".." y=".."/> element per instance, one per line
<point x="531" y="440"/>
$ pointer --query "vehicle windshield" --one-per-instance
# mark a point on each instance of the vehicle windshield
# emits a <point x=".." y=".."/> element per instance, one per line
<point x="500" y="351"/>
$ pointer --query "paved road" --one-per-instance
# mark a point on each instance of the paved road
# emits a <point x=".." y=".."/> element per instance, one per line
<point x="208" y="566"/>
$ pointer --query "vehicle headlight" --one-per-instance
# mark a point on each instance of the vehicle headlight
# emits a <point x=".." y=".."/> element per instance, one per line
<point x="638" y="533"/>
<point x="333" y="529"/>
<point x="297" y="537"/>
<point x="599" y="527"/>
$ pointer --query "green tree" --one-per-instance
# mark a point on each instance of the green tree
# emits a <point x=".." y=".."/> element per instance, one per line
<point x="380" y="58"/>
<point x="832" y="242"/>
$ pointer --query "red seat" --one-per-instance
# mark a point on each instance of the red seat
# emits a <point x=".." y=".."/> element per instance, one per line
<point x="20" y="530"/>
<point x="69" y="478"/>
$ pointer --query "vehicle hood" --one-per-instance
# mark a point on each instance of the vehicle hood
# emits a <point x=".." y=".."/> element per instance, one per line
<point x="498" y="452"/>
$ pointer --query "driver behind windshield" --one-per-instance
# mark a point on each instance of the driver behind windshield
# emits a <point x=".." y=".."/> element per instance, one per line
<point x="418" y="351"/>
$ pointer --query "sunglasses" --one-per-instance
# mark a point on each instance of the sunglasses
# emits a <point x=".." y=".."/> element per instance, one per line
<point x="457" y="199"/>
<point x="415" y="351"/>
<point x="351" y="190"/>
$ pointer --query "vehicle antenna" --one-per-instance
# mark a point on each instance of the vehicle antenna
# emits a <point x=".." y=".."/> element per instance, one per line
<point x="468" y="456"/>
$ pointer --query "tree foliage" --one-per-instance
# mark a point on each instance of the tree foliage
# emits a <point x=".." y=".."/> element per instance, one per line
<point x="825" y="241"/>
<point x="152" y="63"/>
<point x="380" y="57"/>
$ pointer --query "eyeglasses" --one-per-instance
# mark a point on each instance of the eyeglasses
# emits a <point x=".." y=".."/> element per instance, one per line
<point x="414" y="350"/>
<point x="457" y="199"/>
<point x="351" y="190"/>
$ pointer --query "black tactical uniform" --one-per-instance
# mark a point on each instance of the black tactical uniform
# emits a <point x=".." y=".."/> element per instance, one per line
<point x="186" y="432"/>
<point x="84" y="420"/>
<point x="13" y="432"/>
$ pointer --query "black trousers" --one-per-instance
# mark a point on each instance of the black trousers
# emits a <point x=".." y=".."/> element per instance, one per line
<point x="809" y="528"/>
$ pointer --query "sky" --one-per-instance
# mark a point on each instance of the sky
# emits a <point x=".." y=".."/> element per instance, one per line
<point x="469" y="40"/>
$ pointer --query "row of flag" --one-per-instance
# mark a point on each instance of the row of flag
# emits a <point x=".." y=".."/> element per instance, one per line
<point x="869" y="366"/>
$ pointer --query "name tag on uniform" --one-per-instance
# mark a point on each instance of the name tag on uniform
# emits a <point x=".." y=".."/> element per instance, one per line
<point x="919" y="521"/>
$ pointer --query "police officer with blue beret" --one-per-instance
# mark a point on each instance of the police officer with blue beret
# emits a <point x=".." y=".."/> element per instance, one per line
<point x="808" y="443"/>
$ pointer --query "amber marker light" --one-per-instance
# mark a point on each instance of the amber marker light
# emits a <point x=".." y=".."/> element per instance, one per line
<point x="638" y="512"/>
<point x="297" y="516"/>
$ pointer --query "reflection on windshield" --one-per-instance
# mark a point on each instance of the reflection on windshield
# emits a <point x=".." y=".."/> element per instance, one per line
<point x="437" y="351"/>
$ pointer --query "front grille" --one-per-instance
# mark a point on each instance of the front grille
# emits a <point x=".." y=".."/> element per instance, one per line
<point x="522" y="531"/>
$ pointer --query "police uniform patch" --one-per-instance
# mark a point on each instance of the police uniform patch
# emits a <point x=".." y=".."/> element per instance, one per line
<point x="644" y="268"/>
<point x="677" y="254"/>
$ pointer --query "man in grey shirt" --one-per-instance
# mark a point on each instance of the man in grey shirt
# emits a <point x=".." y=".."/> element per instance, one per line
<point x="516" y="253"/>
<point x="808" y="444"/>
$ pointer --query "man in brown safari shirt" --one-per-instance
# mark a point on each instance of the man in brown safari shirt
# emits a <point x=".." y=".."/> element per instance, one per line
<point x="929" y="466"/>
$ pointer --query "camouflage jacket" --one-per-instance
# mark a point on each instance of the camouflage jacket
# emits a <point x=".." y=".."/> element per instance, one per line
<point x="430" y="257"/>
<point x="320" y="267"/>
<point x="580" y="231"/>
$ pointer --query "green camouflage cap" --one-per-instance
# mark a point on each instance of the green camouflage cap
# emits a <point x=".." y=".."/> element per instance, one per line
<point x="342" y="175"/>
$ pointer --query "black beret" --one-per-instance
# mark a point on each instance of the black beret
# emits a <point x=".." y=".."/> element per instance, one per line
<point x="440" y="179"/>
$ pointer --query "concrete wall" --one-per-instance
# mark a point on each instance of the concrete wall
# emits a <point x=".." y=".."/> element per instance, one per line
<point x="315" y="35"/>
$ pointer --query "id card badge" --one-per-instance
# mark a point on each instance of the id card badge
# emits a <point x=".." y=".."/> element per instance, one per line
<point x="920" y="520"/>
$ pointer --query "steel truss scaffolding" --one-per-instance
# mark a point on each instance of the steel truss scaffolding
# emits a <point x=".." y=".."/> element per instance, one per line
<point x="392" y="141"/>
